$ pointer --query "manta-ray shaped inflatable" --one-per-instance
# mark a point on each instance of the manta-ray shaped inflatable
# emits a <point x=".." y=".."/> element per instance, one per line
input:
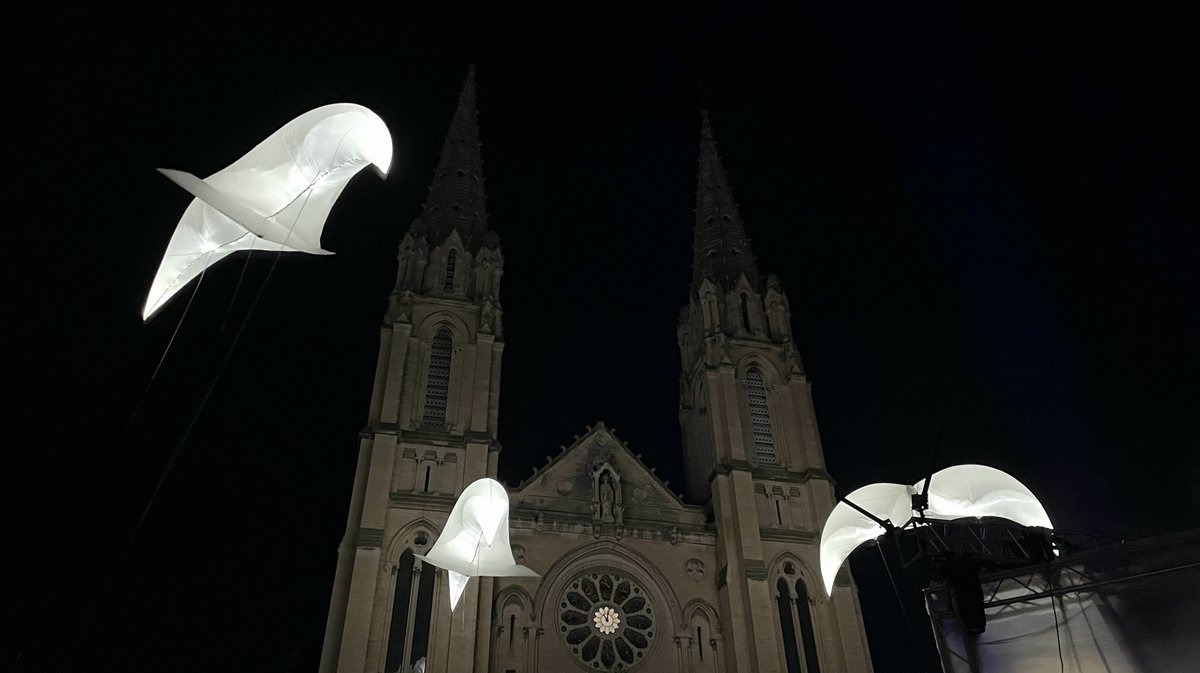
<point x="474" y="542"/>
<point x="276" y="197"/>
<point x="954" y="493"/>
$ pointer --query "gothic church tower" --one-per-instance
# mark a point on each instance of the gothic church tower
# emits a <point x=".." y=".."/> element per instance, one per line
<point x="752" y="452"/>
<point x="431" y="431"/>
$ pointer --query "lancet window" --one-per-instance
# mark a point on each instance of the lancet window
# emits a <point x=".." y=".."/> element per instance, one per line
<point x="412" y="605"/>
<point x="795" y="621"/>
<point x="451" y="263"/>
<point x="760" y="418"/>
<point x="437" y="383"/>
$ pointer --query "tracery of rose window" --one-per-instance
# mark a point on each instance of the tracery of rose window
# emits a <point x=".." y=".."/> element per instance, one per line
<point x="606" y="621"/>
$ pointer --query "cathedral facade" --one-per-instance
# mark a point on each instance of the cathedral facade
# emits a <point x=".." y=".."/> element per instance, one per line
<point x="633" y="577"/>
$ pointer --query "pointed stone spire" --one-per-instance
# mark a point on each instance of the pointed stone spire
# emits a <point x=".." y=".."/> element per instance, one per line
<point x="456" y="196"/>
<point x="721" y="248"/>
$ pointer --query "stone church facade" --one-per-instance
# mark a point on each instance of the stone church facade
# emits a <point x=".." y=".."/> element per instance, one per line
<point x="633" y="576"/>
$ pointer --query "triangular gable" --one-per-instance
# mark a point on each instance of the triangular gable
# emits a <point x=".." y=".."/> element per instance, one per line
<point x="570" y="479"/>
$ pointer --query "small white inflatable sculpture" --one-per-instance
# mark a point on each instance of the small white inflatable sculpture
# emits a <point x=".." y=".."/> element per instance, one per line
<point x="276" y="197"/>
<point x="474" y="542"/>
<point x="954" y="493"/>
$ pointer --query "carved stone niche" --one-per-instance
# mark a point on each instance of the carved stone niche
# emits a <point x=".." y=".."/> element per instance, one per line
<point x="607" y="501"/>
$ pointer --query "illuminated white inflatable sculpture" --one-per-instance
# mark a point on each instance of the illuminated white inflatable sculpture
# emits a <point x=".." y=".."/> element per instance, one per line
<point x="276" y="197"/>
<point x="954" y="493"/>
<point x="474" y="542"/>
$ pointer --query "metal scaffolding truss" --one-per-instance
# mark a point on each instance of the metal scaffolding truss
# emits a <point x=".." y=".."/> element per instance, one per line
<point x="994" y="545"/>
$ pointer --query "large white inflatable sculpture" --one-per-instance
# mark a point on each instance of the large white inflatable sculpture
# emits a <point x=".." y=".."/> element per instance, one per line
<point x="474" y="542"/>
<point x="954" y="493"/>
<point x="276" y="197"/>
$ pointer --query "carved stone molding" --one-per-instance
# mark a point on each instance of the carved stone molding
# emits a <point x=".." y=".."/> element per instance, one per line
<point x="755" y="569"/>
<point x="369" y="538"/>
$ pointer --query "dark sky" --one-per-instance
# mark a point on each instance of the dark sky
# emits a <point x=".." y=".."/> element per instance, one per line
<point x="984" y="214"/>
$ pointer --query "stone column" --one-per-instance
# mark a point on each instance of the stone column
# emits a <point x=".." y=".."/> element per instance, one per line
<point x="414" y="585"/>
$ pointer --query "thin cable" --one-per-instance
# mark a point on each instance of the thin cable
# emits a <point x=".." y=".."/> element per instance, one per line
<point x="177" y="449"/>
<point x="899" y="599"/>
<point x="203" y="403"/>
<point x="119" y="559"/>
<point x="1054" y="609"/>
<point x="108" y="464"/>
<point x="220" y="370"/>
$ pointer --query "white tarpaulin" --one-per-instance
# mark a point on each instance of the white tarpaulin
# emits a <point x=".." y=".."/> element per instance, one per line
<point x="1132" y="608"/>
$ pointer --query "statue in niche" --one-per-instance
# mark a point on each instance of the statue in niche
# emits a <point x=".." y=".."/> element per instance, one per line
<point x="607" y="496"/>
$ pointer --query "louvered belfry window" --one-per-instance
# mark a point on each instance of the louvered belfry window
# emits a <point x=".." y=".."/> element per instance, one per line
<point x="451" y="261"/>
<point x="760" y="418"/>
<point x="437" y="384"/>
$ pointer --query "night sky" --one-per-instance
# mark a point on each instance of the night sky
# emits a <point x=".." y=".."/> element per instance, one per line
<point x="985" y="216"/>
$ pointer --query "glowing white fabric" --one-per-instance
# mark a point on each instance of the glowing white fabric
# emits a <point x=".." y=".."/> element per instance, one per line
<point x="979" y="491"/>
<point x="276" y="197"/>
<point x="956" y="492"/>
<point x="847" y="528"/>
<point x="474" y="542"/>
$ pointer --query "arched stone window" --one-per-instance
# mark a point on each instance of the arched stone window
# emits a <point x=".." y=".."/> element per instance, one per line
<point x="704" y="644"/>
<point x="451" y="263"/>
<point x="746" y="314"/>
<point x="795" y="622"/>
<point x="437" y="380"/>
<point x="787" y="624"/>
<point x="807" y="636"/>
<point x="412" y="606"/>
<point x="760" y="418"/>
<point x="510" y="649"/>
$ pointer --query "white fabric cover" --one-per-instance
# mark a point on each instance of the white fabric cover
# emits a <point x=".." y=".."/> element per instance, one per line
<point x="981" y="491"/>
<point x="276" y="197"/>
<point x="847" y="528"/>
<point x="474" y="542"/>
<point x="955" y="493"/>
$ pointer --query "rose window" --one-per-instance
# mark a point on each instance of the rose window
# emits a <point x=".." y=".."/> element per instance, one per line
<point x="606" y="621"/>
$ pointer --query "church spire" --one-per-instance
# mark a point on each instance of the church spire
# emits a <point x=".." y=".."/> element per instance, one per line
<point x="721" y="247"/>
<point x="456" y="198"/>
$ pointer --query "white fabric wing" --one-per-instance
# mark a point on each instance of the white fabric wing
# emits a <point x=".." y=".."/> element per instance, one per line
<point x="981" y="491"/>
<point x="276" y="197"/>
<point x="956" y="492"/>
<point x="474" y="542"/>
<point x="847" y="528"/>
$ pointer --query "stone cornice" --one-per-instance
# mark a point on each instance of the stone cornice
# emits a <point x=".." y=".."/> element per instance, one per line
<point x="369" y="538"/>
<point x="756" y="569"/>
<point x="769" y="473"/>
<point x="423" y="501"/>
<point x="788" y="535"/>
